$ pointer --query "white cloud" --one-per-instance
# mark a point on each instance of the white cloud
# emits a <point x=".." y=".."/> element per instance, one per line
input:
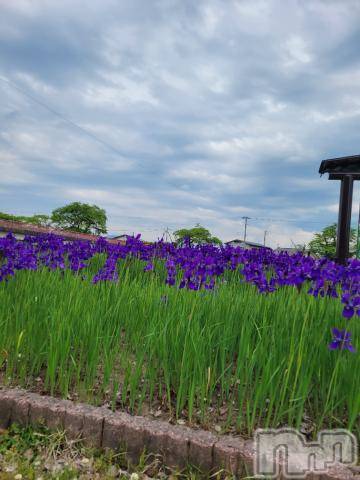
<point x="14" y="172"/>
<point x="119" y="92"/>
<point x="25" y="7"/>
<point x="210" y="78"/>
<point x="308" y="183"/>
<point x="246" y="154"/>
<point x="296" y="52"/>
<point x="205" y="110"/>
<point x="35" y="84"/>
<point x="211" y="16"/>
<point x="211" y="174"/>
<point x="253" y="16"/>
<point x="130" y="197"/>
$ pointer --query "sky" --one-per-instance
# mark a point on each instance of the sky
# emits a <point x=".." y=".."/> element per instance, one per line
<point x="168" y="113"/>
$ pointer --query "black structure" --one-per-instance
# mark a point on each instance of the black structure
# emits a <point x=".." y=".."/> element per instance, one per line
<point x="346" y="169"/>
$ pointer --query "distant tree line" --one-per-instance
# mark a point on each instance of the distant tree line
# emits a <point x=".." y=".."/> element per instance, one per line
<point x="85" y="218"/>
<point x="197" y="235"/>
<point x="322" y="245"/>
<point x="42" y="220"/>
<point x="76" y="216"/>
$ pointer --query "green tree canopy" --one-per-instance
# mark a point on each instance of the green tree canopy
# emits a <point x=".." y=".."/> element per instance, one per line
<point x="80" y="217"/>
<point x="324" y="243"/>
<point x="197" y="235"/>
<point x="39" y="219"/>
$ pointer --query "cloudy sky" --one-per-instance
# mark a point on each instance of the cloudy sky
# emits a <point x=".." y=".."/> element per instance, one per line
<point x="171" y="112"/>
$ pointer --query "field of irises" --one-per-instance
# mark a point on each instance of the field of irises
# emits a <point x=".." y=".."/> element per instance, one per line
<point x="210" y="335"/>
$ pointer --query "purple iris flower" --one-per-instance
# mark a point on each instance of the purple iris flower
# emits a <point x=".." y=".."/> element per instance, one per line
<point x="341" y="340"/>
<point x="352" y="305"/>
<point x="194" y="267"/>
<point x="149" y="267"/>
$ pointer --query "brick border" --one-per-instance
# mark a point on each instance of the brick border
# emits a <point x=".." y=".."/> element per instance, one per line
<point x="100" y="427"/>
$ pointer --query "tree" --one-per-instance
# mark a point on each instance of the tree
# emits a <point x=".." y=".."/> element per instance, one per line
<point x="39" y="219"/>
<point x="197" y="235"/>
<point x="324" y="243"/>
<point x="80" y="217"/>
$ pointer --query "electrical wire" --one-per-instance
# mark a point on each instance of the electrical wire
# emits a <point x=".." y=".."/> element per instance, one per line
<point x="61" y="116"/>
<point x="115" y="150"/>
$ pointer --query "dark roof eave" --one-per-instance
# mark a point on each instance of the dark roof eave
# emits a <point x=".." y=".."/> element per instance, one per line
<point x="349" y="165"/>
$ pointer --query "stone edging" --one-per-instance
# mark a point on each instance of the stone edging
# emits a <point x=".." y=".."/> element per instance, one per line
<point x="100" y="427"/>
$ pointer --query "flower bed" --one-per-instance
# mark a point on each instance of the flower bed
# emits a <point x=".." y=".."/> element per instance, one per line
<point x="227" y="338"/>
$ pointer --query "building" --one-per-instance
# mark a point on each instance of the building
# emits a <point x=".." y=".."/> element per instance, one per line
<point x="293" y="250"/>
<point x="122" y="237"/>
<point x="20" y="229"/>
<point x="289" y="250"/>
<point x="240" y="243"/>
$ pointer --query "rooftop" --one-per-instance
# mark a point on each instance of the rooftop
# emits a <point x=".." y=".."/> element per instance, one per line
<point x="30" y="229"/>
<point x="341" y="165"/>
<point x="249" y="244"/>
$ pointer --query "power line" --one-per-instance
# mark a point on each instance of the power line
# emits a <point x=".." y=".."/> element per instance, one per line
<point x="174" y="227"/>
<point x="60" y="115"/>
<point x="276" y="220"/>
<point x="111" y="147"/>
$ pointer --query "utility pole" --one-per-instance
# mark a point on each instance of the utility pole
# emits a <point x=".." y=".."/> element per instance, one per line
<point x="265" y="233"/>
<point x="246" y="220"/>
<point x="167" y="235"/>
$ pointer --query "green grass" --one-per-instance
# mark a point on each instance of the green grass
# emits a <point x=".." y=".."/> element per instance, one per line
<point x="263" y="359"/>
<point x="31" y="454"/>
